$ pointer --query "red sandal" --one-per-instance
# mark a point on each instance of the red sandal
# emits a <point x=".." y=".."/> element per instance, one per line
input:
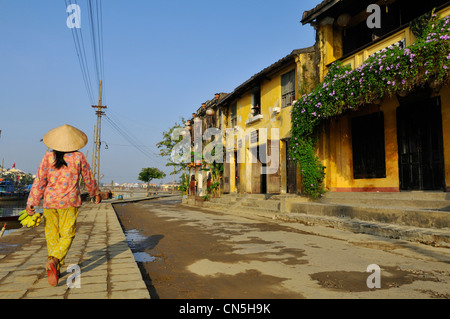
<point x="53" y="274"/>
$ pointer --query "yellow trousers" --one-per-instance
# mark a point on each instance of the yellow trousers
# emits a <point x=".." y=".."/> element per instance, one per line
<point x="60" y="225"/>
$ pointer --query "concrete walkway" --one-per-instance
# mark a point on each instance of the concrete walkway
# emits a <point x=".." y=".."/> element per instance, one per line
<point x="414" y="216"/>
<point x="107" y="268"/>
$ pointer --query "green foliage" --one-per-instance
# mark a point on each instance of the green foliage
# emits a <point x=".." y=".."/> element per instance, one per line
<point x="216" y="174"/>
<point x="166" y="145"/>
<point x="184" y="184"/>
<point x="148" y="174"/>
<point x="213" y="187"/>
<point x="419" y="24"/>
<point x="385" y="73"/>
<point x="312" y="170"/>
<point x="215" y="168"/>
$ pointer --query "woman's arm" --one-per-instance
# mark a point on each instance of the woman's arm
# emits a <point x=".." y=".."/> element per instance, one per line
<point x="39" y="185"/>
<point x="89" y="180"/>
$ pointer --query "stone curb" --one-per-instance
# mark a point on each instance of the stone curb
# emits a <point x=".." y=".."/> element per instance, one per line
<point x="103" y="265"/>
<point x="435" y="237"/>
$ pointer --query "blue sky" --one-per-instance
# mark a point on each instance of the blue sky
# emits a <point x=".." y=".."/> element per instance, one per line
<point x="162" y="59"/>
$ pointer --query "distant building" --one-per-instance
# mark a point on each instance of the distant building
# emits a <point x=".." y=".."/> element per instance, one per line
<point x="170" y="186"/>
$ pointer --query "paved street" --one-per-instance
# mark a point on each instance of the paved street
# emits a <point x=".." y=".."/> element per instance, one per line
<point x="210" y="254"/>
<point x="107" y="268"/>
<point x="203" y="253"/>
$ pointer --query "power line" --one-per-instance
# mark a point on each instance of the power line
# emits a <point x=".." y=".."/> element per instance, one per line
<point x="148" y="127"/>
<point x="94" y="31"/>
<point x="95" y="21"/>
<point x="132" y="140"/>
<point x="77" y="36"/>
<point x="115" y="118"/>
<point x="100" y="36"/>
<point x="141" y="145"/>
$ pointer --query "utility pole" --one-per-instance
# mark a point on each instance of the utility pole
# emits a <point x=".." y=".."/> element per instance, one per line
<point x="97" y="132"/>
<point x="173" y="181"/>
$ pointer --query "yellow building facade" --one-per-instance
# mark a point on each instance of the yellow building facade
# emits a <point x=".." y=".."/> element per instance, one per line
<point x="259" y="108"/>
<point x="400" y="143"/>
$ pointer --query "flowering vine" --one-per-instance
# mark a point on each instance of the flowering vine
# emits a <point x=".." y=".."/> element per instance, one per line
<point x="385" y="73"/>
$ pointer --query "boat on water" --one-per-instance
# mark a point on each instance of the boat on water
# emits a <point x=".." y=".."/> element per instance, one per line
<point x="9" y="218"/>
<point x="8" y="191"/>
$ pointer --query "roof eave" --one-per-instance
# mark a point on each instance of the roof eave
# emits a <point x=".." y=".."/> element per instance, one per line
<point x="311" y="15"/>
<point x="244" y="86"/>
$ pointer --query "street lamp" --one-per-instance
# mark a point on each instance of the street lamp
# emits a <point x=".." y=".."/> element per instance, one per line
<point x="106" y="145"/>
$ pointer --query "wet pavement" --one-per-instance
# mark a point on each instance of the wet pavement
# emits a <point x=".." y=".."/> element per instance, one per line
<point x="99" y="265"/>
<point x="162" y="249"/>
<point x="206" y="253"/>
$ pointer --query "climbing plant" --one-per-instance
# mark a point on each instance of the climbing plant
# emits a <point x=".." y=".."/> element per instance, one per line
<point x="385" y="73"/>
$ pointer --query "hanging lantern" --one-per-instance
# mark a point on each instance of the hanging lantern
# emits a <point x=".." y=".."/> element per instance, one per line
<point x="189" y="127"/>
<point x="343" y="20"/>
<point x="402" y="93"/>
<point x="435" y="85"/>
<point x="204" y="105"/>
<point x="185" y="132"/>
<point x="378" y="101"/>
<point x="210" y="112"/>
<point x="194" y="115"/>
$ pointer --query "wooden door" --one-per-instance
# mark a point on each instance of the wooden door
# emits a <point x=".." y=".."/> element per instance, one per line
<point x="237" y="173"/>
<point x="226" y="177"/>
<point x="274" y="179"/>
<point x="420" y="145"/>
<point x="256" y="182"/>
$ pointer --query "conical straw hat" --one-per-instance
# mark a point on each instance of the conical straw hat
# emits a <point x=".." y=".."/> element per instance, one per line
<point x="65" y="138"/>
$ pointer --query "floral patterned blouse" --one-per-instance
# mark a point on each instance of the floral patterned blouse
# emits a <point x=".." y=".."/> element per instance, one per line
<point x="60" y="187"/>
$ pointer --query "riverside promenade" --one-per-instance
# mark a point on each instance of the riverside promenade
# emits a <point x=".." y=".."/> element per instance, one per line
<point x="102" y="265"/>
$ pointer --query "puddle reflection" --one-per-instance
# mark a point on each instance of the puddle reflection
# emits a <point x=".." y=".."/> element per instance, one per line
<point x="138" y="243"/>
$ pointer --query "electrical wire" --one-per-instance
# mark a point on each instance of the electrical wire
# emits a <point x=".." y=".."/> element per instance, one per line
<point x="95" y="20"/>
<point x="77" y="36"/>
<point x="148" y="151"/>
<point x="100" y="36"/>
<point x="94" y="31"/>
<point x="150" y="128"/>
<point x="132" y="140"/>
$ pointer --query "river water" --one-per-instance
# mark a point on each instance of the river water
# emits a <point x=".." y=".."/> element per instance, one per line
<point x="12" y="208"/>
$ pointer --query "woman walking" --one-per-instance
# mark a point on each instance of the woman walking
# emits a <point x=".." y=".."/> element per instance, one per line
<point x="57" y="183"/>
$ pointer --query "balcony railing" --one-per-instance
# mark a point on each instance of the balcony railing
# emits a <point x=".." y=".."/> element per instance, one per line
<point x="402" y="36"/>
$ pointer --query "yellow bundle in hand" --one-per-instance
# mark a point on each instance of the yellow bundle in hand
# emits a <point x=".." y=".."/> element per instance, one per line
<point x="30" y="220"/>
